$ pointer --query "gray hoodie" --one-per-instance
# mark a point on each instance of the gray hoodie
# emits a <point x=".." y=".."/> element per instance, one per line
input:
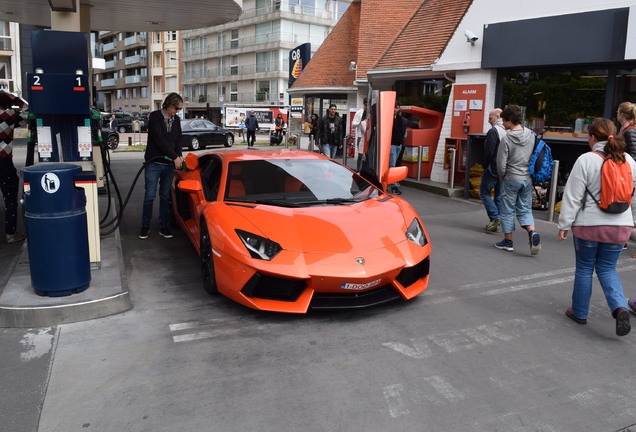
<point x="514" y="154"/>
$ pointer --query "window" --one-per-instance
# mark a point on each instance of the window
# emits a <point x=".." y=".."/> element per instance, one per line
<point x="144" y="92"/>
<point x="234" y="43"/>
<point x="171" y="36"/>
<point x="220" y="40"/>
<point x="221" y="66"/>
<point x="233" y="92"/>
<point x="171" y="84"/>
<point x="171" y="58"/>
<point x="234" y="65"/>
<point x="203" y="93"/>
<point x="262" y="90"/>
<point x="555" y="99"/>
<point x="221" y="92"/>
<point x="263" y="60"/>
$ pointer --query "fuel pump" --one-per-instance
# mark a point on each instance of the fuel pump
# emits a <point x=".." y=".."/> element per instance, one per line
<point x="61" y="124"/>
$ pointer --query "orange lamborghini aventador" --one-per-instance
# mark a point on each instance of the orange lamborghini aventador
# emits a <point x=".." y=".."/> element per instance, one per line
<point x="289" y="230"/>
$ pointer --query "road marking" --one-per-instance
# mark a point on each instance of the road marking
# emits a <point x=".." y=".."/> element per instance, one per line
<point x="556" y="281"/>
<point x="471" y="338"/>
<point x="392" y="395"/>
<point x="203" y="335"/>
<point x="37" y="344"/>
<point x="398" y="403"/>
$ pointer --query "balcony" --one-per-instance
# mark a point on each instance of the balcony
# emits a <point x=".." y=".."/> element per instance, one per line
<point x="138" y="38"/>
<point x="110" y="64"/>
<point x="107" y="82"/>
<point x="130" y="60"/>
<point x="109" y="46"/>
<point x="6" y="43"/>
<point x="135" y="79"/>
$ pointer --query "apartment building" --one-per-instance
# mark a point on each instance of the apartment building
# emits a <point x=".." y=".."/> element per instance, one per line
<point x="124" y="84"/>
<point x="10" y="70"/>
<point x="246" y="62"/>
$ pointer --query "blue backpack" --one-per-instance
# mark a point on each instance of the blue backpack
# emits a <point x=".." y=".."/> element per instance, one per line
<point x="541" y="163"/>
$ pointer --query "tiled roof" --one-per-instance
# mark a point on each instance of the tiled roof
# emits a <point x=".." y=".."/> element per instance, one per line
<point x="329" y="67"/>
<point x="381" y="21"/>
<point x="383" y="34"/>
<point x="426" y="35"/>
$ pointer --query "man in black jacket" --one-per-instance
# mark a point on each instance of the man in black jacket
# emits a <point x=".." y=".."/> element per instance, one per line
<point x="163" y="155"/>
<point x="251" y="125"/>
<point x="490" y="178"/>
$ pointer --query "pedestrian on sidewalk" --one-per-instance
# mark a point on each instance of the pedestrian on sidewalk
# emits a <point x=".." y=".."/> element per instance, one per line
<point x="513" y="157"/>
<point x="251" y="125"/>
<point x="490" y="178"/>
<point x="359" y="122"/>
<point x="9" y="180"/>
<point x="598" y="236"/>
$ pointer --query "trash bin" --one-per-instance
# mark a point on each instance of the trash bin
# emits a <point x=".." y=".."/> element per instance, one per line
<point x="57" y="232"/>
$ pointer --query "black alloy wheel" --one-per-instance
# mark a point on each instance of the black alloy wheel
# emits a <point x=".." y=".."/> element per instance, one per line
<point x="229" y="140"/>
<point x="207" y="261"/>
<point x="112" y="141"/>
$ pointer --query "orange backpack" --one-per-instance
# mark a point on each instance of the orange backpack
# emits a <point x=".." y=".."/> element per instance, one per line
<point x="617" y="186"/>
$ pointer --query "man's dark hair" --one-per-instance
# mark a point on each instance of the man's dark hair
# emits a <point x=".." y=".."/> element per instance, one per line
<point x="333" y="105"/>
<point x="512" y="113"/>
<point x="172" y="100"/>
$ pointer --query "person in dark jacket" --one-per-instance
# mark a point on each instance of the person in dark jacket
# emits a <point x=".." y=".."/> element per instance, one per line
<point x="330" y="131"/>
<point x="400" y="124"/>
<point x="626" y="116"/>
<point x="251" y="125"/>
<point x="163" y="155"/>
<point x="490" y="178"/>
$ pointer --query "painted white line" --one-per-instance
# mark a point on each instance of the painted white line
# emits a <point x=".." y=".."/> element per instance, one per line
<point x="419" y="351"/>
<point x="203" y="335"/>
<point x="394" y="399"/>
<point x="548" y="282"/>
<point x="444" y="388"/>
<point x="184" y="326"/>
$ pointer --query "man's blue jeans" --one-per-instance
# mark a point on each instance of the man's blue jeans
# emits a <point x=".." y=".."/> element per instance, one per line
<point x="330" y="150"/>
<point x="395" y="153"/>
<point x="592" y="255"/>
<point x="157" y="174"/>
<point x="516" y="197"/>
<point x="488" y="183"/>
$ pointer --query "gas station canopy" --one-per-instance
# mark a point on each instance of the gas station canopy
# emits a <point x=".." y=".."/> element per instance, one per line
<point x="128" y="15"/>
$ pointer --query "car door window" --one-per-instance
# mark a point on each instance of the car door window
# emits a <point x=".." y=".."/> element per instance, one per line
<point x="211" y="178"/>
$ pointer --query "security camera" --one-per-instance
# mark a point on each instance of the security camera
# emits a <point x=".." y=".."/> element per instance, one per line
<point x="470" y="37"/>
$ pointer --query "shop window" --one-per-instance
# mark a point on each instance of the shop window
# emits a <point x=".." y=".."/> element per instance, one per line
<point x="557" y="101"/>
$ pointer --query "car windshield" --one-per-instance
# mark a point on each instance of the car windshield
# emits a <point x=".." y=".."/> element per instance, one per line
<point x="295" y="183"/>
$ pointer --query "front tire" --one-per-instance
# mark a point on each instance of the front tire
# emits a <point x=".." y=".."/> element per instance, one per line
<point x="112" y="142"/>
<point x="122" y="129"/>
<point x="229" y="140"/>
<point x="207" y="261"/>
<point x="195" y="144"/>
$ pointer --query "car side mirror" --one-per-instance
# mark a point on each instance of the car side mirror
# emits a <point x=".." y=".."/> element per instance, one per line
<point x="396" y="174"/>
<point x="190" y="186"/>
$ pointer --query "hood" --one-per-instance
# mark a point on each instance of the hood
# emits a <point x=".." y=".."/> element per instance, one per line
<point x="520" y="137"/>
<point x="365" y="226"/>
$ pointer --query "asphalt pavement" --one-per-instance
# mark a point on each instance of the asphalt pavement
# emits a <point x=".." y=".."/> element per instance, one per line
<point x="486" y="348"/>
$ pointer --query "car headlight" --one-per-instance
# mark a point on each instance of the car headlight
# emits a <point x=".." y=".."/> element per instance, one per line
<point x="415" y="233"/>
<point x="259" y="247"/>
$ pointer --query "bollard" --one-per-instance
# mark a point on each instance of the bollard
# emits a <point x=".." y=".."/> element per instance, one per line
<point x="129" y="141"/>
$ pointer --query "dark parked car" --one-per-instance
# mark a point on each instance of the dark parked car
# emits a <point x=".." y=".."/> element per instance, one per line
<point x="199" y="133"/>
<point x="124" y="122"/>
<point x="110" y="137"/>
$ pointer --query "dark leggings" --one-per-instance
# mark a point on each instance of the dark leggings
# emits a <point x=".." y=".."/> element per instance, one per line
<point x="9" y="183"/>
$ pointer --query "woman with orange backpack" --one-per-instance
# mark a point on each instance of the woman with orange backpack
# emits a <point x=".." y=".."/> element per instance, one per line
<point x="598" y="235"/>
